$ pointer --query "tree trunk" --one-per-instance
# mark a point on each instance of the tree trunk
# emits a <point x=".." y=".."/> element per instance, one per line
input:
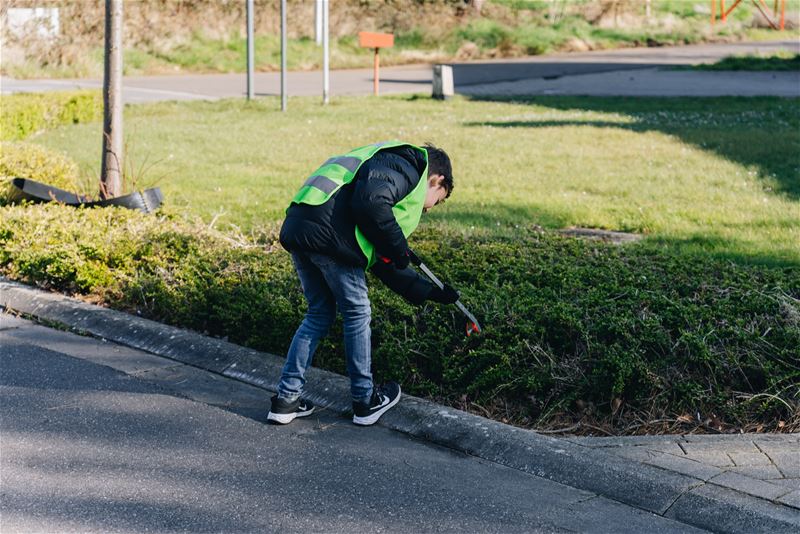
<point x="112" y="164"/>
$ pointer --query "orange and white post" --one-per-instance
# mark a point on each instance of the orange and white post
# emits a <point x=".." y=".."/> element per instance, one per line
<point x="376" y="41"/>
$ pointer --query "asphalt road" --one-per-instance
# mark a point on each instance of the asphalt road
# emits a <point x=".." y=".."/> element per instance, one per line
<point x="162" y="447"/>
<point x="572" y="72"/>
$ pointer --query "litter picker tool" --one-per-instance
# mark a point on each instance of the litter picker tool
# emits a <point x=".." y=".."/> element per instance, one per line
<point x="472" y="324"/>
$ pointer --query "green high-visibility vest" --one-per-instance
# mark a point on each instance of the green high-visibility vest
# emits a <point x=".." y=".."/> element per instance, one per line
<point x="340" y="170"/>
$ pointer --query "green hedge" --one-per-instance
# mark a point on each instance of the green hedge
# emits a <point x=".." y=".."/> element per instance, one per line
<point x="573" y="330"/>
<point x="26" y="113"/>
<point x="26" y="160"/>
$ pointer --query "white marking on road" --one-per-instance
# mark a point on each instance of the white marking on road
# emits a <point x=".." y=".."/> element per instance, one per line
<point x="167" y="92"/>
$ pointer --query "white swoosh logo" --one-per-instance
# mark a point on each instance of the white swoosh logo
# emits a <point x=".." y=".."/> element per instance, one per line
<point x="384" y="402"/>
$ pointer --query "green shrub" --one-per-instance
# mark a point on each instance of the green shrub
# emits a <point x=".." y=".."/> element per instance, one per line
<point x="571" y="329"/>
<point x="485" y="33"/>
<point x="539" y="40"/>
<point x="24" y="114"/>
<point x="26" y="160"/>
<point x="529" y="5"/>
<point x="414" y="38"/>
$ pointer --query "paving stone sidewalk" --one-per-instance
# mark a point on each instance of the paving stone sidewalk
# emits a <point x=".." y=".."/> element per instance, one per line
<point x="762" y="465"/>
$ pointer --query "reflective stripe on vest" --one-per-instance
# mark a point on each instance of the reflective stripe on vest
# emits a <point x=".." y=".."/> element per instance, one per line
<point x="341" y="170"/>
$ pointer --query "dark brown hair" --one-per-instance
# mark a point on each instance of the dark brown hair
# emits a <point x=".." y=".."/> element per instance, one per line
<point x="439" y="163"/>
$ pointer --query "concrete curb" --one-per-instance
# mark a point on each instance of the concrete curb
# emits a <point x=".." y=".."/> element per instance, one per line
<point x="689" y="499"/>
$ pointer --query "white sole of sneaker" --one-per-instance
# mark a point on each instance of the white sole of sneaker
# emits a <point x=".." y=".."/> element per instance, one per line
<point x="373" y="418"/>
<point x="286" y="418"/>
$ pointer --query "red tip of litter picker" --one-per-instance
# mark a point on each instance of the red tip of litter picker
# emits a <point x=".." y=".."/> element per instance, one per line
<point x="472" y="327"/>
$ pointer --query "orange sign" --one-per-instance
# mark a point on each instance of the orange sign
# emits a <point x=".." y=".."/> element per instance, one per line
<point x="375" y="40"/>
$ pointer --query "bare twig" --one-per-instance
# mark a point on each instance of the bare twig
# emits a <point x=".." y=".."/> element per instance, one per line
<point x="481" y="408"/>
<point x="748" y="398"/>
<point x="560" y="430"/>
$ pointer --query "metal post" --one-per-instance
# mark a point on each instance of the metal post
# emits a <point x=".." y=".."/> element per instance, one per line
<point x="722" y="13"/>
<point x="250" y="50"/>
<point x="326" y="78"/>
<point x="442" y="82"/>
<point x="376" y="67"/>
<point x="112" y="163"/>
<point x="783" y="15"/>
<point x="283" y="55"/>
<point x="713" y="11"/>
<point x="318" y="22"/>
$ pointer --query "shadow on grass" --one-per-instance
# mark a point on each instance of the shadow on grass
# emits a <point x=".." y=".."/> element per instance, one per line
<point x="726" y="126"/>
<point x="698" y="245"/>
<point x="489" y="215"/>
<point x="507" y="221"/>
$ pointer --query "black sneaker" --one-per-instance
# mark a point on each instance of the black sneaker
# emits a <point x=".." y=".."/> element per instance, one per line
<point x="284" y="412"/>
<point x="383" y="398"/>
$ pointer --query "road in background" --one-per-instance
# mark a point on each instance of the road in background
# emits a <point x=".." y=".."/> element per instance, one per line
<point x="564" y="73"/>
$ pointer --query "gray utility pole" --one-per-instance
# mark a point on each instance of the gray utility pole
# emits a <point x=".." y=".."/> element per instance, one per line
<point x="283" y="55"/>
<point x="250" y="50"/>
<point x="113" y="157"/>
<point x="318" y="22"/>
<point x="326" y="76"/>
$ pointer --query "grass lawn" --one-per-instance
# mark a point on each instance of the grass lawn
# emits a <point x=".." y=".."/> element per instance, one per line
<point x="700" y="175"/>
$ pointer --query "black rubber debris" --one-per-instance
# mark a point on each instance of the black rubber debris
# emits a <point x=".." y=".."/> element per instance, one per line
<point x="145" y="201"/>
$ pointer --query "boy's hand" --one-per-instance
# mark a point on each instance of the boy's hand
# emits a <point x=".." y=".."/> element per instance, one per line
<point x="446" y="295"/>
<point x="400" y="262"/>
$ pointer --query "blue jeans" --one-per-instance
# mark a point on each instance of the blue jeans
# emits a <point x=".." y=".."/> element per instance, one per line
<point x="326" y="285"/>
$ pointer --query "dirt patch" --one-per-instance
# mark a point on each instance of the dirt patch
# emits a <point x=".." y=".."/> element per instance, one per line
<point x="607" y="236"/>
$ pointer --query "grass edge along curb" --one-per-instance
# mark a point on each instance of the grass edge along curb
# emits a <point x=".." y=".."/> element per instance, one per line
<point x="648" y="488"/>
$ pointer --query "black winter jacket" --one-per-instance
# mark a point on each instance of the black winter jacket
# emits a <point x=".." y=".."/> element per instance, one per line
<point x="381" y="182"/>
